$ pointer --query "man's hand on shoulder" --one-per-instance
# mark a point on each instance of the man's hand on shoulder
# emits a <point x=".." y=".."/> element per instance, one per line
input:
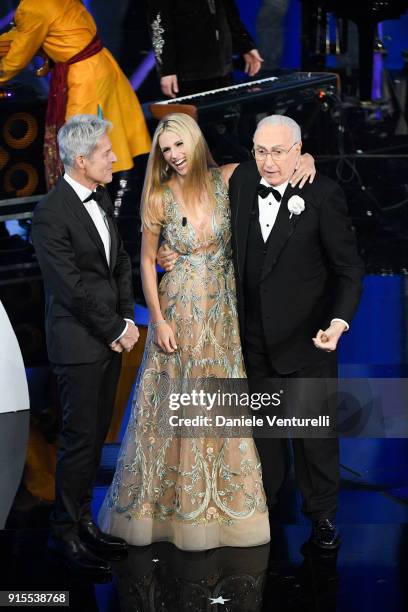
<point x="327" y="340"/>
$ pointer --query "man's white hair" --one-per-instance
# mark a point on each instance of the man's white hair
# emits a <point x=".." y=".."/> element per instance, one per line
<point x="79" y="136"/>
<point x="281" y="120"/>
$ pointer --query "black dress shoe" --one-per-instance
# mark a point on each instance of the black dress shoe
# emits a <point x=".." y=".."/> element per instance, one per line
<point x="325" y="535"/>
<point x="99" y="541"/>
<point x="78" y="556"/>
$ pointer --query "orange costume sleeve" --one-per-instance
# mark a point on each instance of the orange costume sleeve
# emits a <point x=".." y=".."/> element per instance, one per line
<point x="63" y="29"/>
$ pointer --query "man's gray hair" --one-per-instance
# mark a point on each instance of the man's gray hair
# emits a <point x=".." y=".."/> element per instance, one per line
<point x="282" y="120"/>
<point x="79" y="136"/>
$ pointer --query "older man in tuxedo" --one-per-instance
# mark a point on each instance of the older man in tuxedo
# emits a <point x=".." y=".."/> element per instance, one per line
<point x="298" y="279"/>
<point x="89" y="322"/>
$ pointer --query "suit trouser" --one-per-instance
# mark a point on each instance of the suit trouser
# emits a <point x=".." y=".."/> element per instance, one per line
<point x="87" y="393"/>
<point x="316" y="460"/>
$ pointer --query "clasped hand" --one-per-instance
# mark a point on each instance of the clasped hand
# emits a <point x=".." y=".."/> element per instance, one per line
<point x="127" y="341"/>
<point x="327" y="340"/>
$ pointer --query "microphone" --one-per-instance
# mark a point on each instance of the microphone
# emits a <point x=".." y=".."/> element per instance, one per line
<point x="184" y="221"/>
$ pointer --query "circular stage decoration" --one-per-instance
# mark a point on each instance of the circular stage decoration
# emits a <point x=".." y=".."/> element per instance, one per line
<point x="21" y="179"/>
<point x="20" y="130"/>
<point x="4" y="157"/>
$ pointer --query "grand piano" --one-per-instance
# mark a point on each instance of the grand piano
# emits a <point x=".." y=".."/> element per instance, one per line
<point x="366" y="14"/>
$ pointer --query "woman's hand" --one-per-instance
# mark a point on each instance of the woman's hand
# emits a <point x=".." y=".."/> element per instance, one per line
<point x="166" y="258"/>
<point x="305" y="170"/>
<point x="164" y="337"/>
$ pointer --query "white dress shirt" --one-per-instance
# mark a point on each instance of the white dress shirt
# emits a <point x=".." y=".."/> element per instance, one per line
<point x="269" y="208"/>
<point x="268" y="211"/>
<point x="98" y="216"/>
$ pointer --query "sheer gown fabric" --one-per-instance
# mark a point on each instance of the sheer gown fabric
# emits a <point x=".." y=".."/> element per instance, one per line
<point x="198" y="493"/>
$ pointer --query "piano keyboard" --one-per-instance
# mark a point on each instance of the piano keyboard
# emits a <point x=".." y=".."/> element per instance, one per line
<point x="273" y="94"/>
<point x="220" y="91"/>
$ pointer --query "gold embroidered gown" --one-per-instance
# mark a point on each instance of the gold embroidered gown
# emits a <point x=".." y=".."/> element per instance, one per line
<point x="197" y="492"/>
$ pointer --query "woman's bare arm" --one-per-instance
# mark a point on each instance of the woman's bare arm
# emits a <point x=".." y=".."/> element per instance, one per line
<point x="150" y="244"/>
<point x="227" y="171"/>
<point x="163" y="333"/>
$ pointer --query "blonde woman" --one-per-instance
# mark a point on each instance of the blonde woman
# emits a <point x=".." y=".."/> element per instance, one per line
<point x="197" y="492"/>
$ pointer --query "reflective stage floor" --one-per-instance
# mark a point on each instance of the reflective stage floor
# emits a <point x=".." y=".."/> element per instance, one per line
<point x="369" y="574"/>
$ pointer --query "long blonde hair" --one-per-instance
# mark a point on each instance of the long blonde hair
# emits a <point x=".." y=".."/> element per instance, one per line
<point x="198" y="180"/>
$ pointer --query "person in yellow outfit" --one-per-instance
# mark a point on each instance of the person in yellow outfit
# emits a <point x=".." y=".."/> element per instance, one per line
<point x="86" y="80"/>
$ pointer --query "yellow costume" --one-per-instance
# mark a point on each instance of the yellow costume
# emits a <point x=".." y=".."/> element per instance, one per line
<point x="63" y="28"/>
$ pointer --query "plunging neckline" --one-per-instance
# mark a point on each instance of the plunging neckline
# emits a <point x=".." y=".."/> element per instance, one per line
<point x="180" y="213"/>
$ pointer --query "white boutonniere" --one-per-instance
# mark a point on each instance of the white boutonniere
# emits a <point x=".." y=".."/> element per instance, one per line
<point x="296" y="205"/>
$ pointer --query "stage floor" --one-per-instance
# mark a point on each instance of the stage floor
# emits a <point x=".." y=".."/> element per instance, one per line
<point x="368" y="573"/>
<point x="286" y="576"/>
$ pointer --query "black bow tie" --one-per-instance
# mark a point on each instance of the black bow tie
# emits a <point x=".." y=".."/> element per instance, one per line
<point x="96" y="195"/>
<point x="263" y="191"/>
<point x="99" y="196"/>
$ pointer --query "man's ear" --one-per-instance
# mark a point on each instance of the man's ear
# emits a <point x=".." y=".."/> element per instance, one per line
<point x="79" y="161"/>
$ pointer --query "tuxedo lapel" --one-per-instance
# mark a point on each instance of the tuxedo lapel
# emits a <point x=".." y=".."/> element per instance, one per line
<point x="246" y="193"/>
<point x="107" y="209"/>
<point x="114" y="242"/>
<point x="281" y="232"/>
<point x="79" y="210"/>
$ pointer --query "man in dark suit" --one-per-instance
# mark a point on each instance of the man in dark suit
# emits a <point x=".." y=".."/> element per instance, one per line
<point x="298" y="278"/>
<point x="194" y="42"/>
<point x="89" y="322"/>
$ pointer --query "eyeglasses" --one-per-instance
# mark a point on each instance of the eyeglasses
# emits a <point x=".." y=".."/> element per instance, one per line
<point x="277" y="154"/>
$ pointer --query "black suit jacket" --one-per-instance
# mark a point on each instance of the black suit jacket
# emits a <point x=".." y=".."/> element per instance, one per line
<point x="86" y="299"/>
<point x="312" y="272"/>
<point x="193" y="42"/>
